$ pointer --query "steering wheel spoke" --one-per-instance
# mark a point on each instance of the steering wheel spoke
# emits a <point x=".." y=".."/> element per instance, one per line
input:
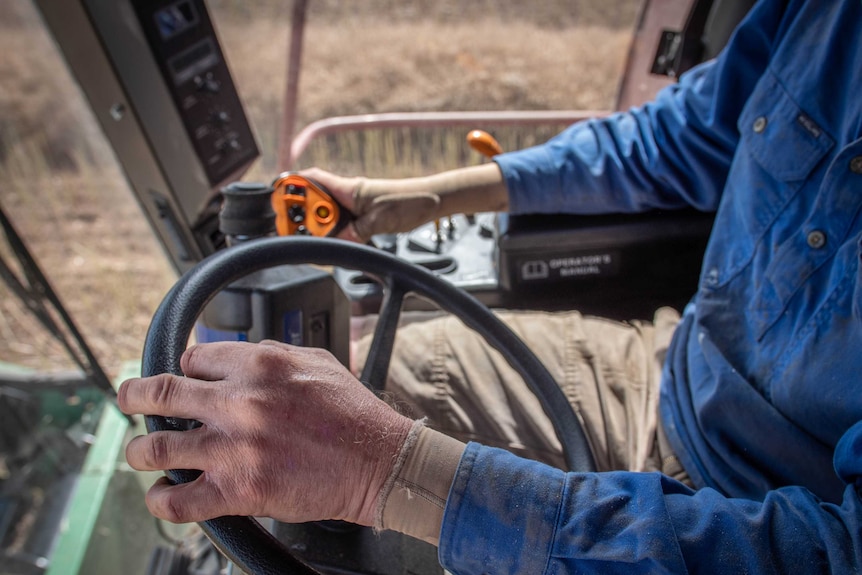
<point x="380" y="352"/>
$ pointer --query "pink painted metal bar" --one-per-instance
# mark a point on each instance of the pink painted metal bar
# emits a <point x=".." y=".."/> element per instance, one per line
<point x="291" y="89"/>
<point x="477" y="120"/>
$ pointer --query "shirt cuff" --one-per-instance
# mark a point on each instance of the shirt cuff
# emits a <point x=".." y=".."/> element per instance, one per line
<point x="501" y="514"/>
<point x="532" y="179"/>
<point x="415" y="504"/>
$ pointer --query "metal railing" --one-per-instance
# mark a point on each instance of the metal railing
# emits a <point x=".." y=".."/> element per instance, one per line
<point x="341" y="124"/>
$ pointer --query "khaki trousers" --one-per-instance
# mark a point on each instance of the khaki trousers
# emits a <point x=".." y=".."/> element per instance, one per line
<point x="608" y="370"/>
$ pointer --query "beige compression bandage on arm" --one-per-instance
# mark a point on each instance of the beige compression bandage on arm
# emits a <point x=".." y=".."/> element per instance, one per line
<point x="413" y="499"/>
<point x="389" y="206"/>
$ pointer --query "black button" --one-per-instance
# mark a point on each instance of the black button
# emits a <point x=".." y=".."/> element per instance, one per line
<point x="296" y="213"/>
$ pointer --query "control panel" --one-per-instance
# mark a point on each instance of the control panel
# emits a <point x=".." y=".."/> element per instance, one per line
<point x="618" y="266"/>
<point x="191" y="62"/>
<point x="158" y="83"/>
<point x="460" y="249"/>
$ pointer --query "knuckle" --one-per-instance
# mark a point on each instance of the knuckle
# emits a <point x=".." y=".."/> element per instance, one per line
<point x="256" y="405"/>
<point x="123" y="395"/>
<point x="272" y="343"/>
<point x="270" y="361"/>
<point x="132" y="451"/>
<point x="175" y="510"/>
<point x="320" y="354"/>
<point x="188" y="361"/>
<point x="364" y="227"/>
<point x="156" y="456"/>
<point x="163" y="390"/>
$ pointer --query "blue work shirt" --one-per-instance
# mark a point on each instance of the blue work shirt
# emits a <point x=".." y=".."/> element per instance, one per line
<point x="761" y="393"/>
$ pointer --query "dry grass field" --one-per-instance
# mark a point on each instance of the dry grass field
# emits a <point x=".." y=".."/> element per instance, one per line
<point x="64" y="192"/>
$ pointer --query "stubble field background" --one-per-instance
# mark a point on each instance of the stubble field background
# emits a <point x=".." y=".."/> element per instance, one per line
<point x="62" y="188"/>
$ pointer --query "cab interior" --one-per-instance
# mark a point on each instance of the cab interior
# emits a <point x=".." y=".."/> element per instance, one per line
<point x="157" y="105"/>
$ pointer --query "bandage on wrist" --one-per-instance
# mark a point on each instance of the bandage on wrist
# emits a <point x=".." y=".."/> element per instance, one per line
<point x="414" y="497"/>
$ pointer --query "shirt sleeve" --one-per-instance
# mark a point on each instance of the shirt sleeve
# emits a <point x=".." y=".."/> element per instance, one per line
<point x="510" y="515"/>
<point x="670" y="153"/>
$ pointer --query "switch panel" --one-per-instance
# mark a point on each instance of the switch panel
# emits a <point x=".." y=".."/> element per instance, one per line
<point x="182" y="39"/>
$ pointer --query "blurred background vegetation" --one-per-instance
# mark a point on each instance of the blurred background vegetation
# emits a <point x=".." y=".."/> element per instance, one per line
<point x="61" y="186"/>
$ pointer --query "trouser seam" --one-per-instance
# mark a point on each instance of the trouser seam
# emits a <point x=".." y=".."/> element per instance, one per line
<point x="439" y="374"/>
<point x="574" y="346"/>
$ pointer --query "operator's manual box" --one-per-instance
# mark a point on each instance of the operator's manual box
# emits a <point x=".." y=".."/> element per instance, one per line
<point x="598" y="262"/>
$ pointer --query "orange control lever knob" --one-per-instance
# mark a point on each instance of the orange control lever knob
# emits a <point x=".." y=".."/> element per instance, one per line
<point x="484" y="143"/>
<point x="304" y="207"/>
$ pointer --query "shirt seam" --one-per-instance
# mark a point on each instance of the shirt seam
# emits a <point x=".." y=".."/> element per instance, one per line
<point x="785" y="304"/>
<point x="560" y="505"/>
<point x="828" y="305"/>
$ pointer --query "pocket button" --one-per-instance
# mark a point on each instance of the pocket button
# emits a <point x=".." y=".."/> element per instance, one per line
<point x="816" y="239"/>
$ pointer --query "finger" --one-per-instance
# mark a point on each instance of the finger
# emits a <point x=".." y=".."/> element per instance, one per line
<point x="349" y="233"/>
<point x="214" y="361"/>
<point x="171" y="396"/>
<point x="343" y="194"/>
<point x="276" y="343"/>
<point x="191" y="502"/>
<point x="340" y="187"/>
<point x="170" y="450"/>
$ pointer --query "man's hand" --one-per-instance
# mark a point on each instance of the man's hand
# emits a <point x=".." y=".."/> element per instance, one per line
<point x="383" y="206"/>
<point x="379" y="206"/>
<point x="287" y="433"/>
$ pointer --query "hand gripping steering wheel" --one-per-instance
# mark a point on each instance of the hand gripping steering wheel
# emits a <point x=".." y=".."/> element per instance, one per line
<point x="242" y="539"/>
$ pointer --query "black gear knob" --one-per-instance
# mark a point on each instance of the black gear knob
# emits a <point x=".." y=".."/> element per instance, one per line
<point x="247" y="210"/>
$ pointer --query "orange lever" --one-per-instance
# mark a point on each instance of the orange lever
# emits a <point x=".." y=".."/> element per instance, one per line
<point x="304" y="207"/>
<point x="484" y="143"/>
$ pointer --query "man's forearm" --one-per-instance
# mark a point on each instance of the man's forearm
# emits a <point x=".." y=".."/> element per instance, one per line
<point x="389" y="206"/>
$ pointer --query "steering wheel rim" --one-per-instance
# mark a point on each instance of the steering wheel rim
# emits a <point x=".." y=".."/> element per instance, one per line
<point x="242" y="539"/>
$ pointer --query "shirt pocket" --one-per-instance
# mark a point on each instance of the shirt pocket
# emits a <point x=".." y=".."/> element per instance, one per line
<point x="779" y="134"/>
<point x="779" y="147"/>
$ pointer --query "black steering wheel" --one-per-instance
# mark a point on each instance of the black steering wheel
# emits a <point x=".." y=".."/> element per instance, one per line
<point x="242" y="539"/>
